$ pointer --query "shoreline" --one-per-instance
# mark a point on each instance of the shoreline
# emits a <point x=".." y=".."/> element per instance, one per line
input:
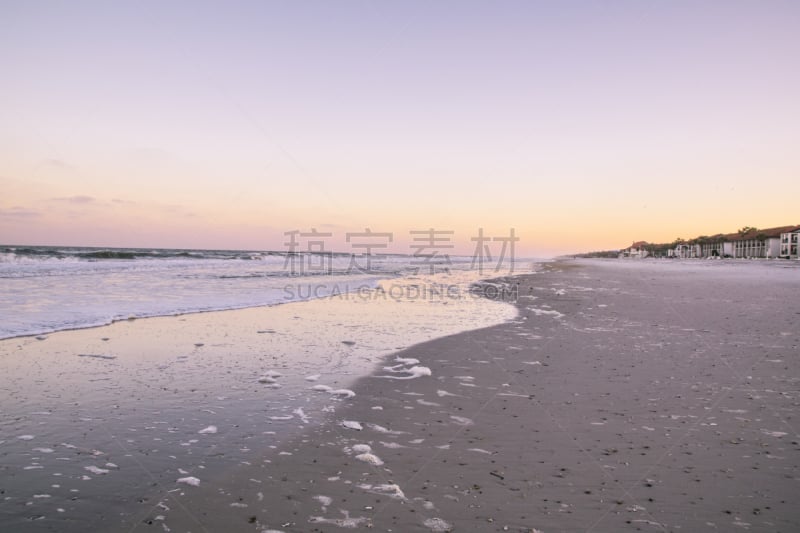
<point x="399" y="290"/>
<point x="92" y="419"/>
<point x="617" y="401"/>
<point x="131" y="318"/>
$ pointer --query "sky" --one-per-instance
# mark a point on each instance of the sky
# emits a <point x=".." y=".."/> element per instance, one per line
<point x="579" y="125"/>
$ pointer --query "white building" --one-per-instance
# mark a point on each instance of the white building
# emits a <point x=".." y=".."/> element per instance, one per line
<point x="747" y="243"/>
<point x="790" y="244"/>
<point x="759" y="244"/>
<point x="711" y="249"/>
<point x="766" y="247"/>
<point x="686" y="251"/>
<point x="636" y="251"/>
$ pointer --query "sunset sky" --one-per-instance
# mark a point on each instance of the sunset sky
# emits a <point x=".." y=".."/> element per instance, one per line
<point x="583" y="125"/>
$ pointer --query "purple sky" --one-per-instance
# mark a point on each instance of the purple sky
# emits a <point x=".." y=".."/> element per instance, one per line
<point x="581" y="124"/>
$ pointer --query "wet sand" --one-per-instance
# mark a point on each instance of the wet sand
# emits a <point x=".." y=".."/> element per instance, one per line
<point x="98" y="425"/>
<point x="627" y="396"/>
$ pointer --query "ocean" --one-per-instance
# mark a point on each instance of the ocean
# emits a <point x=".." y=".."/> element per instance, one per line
<point x="99" y="426"/>
<point x="46" y="289"/>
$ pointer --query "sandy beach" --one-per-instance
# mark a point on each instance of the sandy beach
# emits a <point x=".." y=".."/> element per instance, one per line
<point x="625" y="396"/>
<point x="97" y="425"/>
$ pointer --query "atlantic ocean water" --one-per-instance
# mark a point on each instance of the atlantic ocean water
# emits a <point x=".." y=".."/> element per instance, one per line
<point x="201" y="363"/>
<point x="46" y="289"/>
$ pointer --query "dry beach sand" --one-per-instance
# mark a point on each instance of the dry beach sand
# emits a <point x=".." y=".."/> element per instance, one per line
<point x="625" y="396"/>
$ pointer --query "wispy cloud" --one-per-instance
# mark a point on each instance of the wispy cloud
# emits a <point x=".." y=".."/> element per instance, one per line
<point x="19" y="212"/>
<point x="58" y="163"/>
<point x="121" y="201"/>
<point x="77" y="199"/>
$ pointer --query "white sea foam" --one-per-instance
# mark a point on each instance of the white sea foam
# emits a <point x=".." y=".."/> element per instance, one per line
<point x="370" y="458"/>
<point x="190" y="480"/>
<point x="301" y="415"/>
<point x="346" y="522"/>
<point x="381" y="429"/>
<point x="325" y="501"/>
<point x="345" y="393"/>
<point x="352" y="424"/>
<point x="321" y="388"/>
<point x="437" y="525"/>
<point x="461" y="420"/>
<point x="208" y="430"/>
<point x="413" y="372"/>
<point x="545" y="312"/>
<point x="362" y="448"/>
<point x="313" y="377"/>
<point x="96" y="470"/>
<point x="479" y="450"/>
<point x="428" y="404"/>
<point x="386" y="489"/>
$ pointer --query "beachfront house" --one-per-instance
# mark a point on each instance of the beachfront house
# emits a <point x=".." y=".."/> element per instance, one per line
<point x="711" y="246"/>
<point x="685" y="251"/>
<point x="790" y="247"/>
<point x="752" y="243"/>
<point x="636" y="251"/>
<point x="747" y="243"/>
